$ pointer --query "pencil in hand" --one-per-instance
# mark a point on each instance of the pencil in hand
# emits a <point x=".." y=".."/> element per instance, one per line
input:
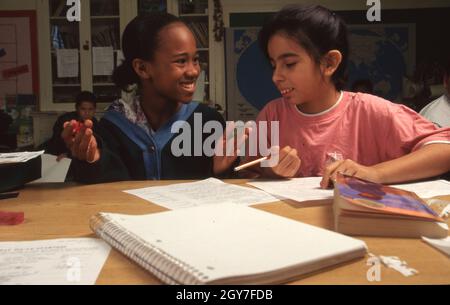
<point x="248" y="164"/>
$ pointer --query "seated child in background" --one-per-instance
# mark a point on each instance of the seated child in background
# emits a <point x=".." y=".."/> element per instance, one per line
<point x="438" y="111"/>
<point x="85" y="106"/>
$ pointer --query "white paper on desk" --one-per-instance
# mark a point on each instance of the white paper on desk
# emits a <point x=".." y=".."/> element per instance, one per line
<point x="208" y="191"/>
<point x="103" y="60"/>
<point x="427" y="189"/>
<point x="70" y="261"/>
<point x="440" y="244"/>
<point x="19" y="157"/>
<point x="67" y="63"/>
<point x="52" y="170"/>
<point x="298" y="189"/>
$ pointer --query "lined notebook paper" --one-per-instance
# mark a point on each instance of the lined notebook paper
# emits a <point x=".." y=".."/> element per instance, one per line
<point x="224" y="244"/>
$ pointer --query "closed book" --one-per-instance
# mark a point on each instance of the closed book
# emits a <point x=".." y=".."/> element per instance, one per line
<point x="371" y="209"/>
<point x="224" y="244"/>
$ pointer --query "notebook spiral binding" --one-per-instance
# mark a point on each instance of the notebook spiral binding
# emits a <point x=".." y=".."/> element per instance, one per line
<point x="167" y="268"/>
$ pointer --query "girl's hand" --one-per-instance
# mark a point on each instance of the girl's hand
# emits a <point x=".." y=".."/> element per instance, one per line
<point x="288" y="163"/>
<point x="222" y="159"/>
<point x="79" y="138"/>
<point x="349" y="168"/>
<point x="60" y="157"/>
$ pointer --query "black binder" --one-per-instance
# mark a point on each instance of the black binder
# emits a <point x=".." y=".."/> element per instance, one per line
<point x="15" y="175"/>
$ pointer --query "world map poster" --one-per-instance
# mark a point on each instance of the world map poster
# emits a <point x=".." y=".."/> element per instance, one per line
<point x="382" y="53"/>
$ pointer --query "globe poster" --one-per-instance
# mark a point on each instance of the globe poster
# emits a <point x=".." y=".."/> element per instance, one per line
<point x="382" y="53"/>
<point x="249" y="75"/>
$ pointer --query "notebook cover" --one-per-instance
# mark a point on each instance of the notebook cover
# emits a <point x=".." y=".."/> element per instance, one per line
<point x="381" y="198"/>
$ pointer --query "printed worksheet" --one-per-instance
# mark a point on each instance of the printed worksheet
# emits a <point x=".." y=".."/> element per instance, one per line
<point x="70" y="261"/>
<point x="208" y="191"/>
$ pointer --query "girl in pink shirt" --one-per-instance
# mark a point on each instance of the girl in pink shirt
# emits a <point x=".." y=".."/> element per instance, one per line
<point x="378" y="140"/>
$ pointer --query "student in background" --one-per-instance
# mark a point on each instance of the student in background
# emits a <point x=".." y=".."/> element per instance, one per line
<point x="438" y="111"/>
<point x="85" y="107"/>
<point x="378" y="140"/>
<point x="363" y="86"/>
<point x="134" y="139"/>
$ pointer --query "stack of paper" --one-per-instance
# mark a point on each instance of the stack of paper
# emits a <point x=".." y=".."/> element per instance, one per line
<point x="19" y="157"/>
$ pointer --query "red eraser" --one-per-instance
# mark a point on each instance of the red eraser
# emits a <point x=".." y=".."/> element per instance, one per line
<point x="11" y="218"/>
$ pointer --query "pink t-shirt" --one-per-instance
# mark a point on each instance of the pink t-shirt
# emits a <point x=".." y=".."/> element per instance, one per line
<point x="362" y="127"/>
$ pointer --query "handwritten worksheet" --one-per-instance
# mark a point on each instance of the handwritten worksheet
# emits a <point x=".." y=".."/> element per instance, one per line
<point x="71" y="261"/>
<point x="298" y="189"/>
<point x="427" y="189"/>
<point x="208" y="191"/>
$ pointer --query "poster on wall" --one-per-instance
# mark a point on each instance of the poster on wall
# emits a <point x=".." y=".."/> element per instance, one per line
<point x="18" y="54"/>
<point x="382" y="53"/>
<point x="249" y="75"/>
<point x="19" y="85"/>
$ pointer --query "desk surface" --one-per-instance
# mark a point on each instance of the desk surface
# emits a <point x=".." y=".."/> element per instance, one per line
<point x="61" y="211"/>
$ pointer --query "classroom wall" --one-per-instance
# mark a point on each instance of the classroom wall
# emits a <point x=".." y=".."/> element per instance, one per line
<point x="273" y="5"/>
<point x="11" y="5"/>
<point x="255" y="6"/>
<point x="252" y="6"/>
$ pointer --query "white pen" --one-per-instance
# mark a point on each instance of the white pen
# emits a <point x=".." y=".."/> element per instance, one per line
<point x="248" y="164"/>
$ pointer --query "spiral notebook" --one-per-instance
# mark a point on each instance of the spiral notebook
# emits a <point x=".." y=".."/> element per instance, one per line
<point x="224" y="244"/>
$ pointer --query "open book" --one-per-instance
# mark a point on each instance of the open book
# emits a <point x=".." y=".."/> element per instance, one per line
<point x="224" y="244"/>
<point x="367" y="208"/>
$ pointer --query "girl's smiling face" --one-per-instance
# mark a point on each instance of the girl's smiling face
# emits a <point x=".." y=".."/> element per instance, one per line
<point x="296" y="75"/>
<point x="175" y="65"/>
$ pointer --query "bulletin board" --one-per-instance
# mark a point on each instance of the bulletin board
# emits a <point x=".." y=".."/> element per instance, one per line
<point x="18" y="54"/>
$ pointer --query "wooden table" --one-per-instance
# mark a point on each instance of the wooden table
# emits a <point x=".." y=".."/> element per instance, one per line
<point x="63" y="210"/>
